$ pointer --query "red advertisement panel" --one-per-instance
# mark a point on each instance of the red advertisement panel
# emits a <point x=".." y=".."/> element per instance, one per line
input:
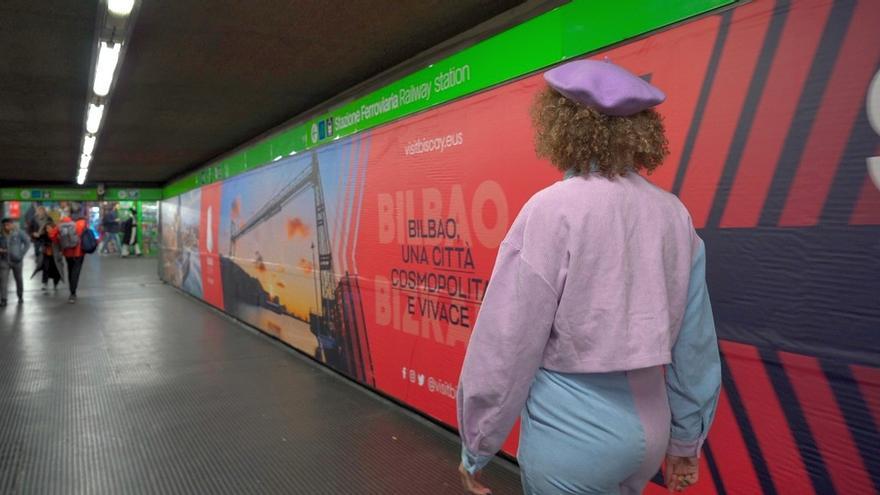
<point x="212" y="281"/>
<point x="441" y="191"/>
<point x="372" y="254"/>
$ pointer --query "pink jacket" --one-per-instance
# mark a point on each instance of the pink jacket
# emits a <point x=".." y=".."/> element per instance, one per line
<point x="592" y="277"/>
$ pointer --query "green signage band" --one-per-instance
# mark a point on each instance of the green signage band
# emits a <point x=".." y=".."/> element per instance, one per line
<point x="48" y="194"/>
<point x="568" y="31"/>
<point x="132" y="194"/>
<point x="79" y="194"/>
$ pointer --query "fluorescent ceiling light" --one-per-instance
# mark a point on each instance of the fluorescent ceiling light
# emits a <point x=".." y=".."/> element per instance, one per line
<point x="108" y="56"/>
<point x="93" y="120"/>
<point x="84" y="161"/>
<point x="89" y="145"/>
<point x="120" y="7"/>
<point x="80" y="180"/>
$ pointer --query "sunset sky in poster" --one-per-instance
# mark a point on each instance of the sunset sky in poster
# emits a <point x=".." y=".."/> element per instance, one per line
<point x="284" y="242"/>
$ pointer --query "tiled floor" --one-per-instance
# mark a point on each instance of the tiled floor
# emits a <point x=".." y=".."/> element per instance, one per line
<point x="140" y="389"/>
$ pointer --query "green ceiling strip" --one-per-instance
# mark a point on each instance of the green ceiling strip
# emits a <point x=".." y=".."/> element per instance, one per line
<point x="132" y="194"/>
<point x="79" y="194"/>
<point x="571" y="30"/>
<point x="48" y="194"/>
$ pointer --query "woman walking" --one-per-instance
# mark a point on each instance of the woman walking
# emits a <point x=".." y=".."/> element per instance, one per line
<point x="68" y="236"/>
<point x="129" y="233"/>
<point x="596" y="327"/>
<point x="52" y="259"/>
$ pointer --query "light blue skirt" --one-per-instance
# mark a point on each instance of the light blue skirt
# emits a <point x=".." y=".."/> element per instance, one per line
<point x="599" y="433"/>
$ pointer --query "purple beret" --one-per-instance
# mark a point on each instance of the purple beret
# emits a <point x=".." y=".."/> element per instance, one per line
<point x="605" y="87"/>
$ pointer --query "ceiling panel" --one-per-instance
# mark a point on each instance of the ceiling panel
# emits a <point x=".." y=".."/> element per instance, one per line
<point x="198" y="78"/>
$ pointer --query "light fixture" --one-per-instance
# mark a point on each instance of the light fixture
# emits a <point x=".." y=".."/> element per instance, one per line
<point x="88" y="145"/>
<point x="108" y="56"/>
<point x="110" y="36"/>
<point x="120" y="7"/>
<point x="93" y="120"/>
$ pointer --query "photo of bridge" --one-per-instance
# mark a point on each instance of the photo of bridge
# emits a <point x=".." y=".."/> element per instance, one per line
<point x="180" y="237"/>
<point x="292" y="289"/>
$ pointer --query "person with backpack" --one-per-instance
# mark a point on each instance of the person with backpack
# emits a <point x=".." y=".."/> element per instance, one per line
<point x="69" y="236"/>
<point x="129" y="233"/>
<point x="13" y="246"/>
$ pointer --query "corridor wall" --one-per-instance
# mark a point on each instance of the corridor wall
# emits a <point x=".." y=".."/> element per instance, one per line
<point x="371" y="254"/>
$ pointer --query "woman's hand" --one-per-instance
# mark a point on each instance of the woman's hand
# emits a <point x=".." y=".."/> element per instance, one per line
<point x="470" y="483"/>
<point x="681" y="472"/>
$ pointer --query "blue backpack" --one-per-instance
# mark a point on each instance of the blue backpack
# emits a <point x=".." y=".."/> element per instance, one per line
<point x="89" y="242"/>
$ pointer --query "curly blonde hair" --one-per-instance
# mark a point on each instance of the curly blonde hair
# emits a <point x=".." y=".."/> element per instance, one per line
<point x="577" y="138"/>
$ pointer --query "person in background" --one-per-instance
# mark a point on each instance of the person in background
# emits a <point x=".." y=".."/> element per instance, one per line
<point x="29" y="221"/>
<point x="110" y="231"/>
<point x="34" y="225"/>
<point x="53" y="260"/>
<point x="102" y="239"/>
<point x="13" y="247"/>
<point x="68" y="235"/>
<point x="129" y="234"/>
<point x="54" y="213"/>
<point x="596" y="328"/>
